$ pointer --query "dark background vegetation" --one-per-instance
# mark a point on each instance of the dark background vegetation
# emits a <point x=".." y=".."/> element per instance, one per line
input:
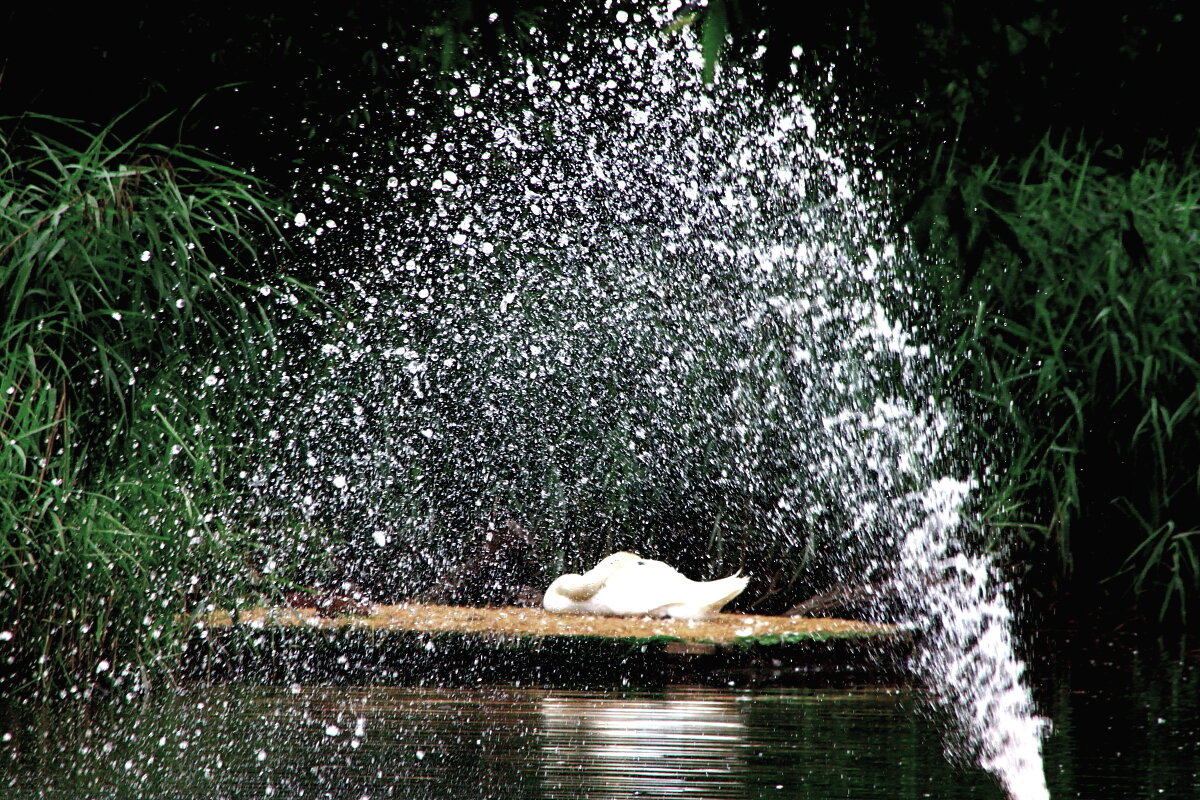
<point x="1041" y="158"/>
<point x="992" y="80"/>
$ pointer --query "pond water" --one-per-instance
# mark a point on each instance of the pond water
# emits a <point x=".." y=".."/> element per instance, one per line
<point x="1126" y="725"/>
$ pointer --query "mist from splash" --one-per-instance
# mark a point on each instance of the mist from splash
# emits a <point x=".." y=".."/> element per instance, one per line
<point x="602" y="288"/>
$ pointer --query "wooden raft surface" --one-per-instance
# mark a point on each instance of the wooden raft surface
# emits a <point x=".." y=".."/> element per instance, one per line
<point x="536" y="622"/>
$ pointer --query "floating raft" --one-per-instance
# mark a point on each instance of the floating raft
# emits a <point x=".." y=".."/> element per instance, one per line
<point x="434" y="644"/>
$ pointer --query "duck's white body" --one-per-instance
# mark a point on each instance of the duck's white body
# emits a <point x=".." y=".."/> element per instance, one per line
<point x="625" y="585"/>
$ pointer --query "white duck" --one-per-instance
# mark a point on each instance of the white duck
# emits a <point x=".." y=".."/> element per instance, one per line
<point x="626" y="585"/>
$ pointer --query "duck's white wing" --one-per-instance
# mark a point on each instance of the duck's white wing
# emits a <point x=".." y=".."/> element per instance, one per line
<point x="641" y="588"/>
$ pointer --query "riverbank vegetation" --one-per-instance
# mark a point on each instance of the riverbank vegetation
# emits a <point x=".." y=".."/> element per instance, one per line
<point x="1073" y="287"/>
<point x="1055" y="225"/>
<point x="128" y="328"/>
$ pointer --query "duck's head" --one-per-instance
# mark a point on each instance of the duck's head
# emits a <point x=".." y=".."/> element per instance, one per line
<point x="571" y="588"/>
<point x="610" y="564"/>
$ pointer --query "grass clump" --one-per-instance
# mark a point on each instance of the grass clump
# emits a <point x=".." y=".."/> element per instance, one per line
<point x="124" y="327"/>
<point x="1080" y="282"/>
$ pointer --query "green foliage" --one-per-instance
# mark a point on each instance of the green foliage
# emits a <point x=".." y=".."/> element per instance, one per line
<point x="123" y="333"/>
<point x="1080" y="284"/>
<point x="712" y="38"/>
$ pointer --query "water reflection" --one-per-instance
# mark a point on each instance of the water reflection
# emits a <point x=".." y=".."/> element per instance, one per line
<point x="1127" y="725"/>
<point x="1126" y="714"/>
<point x="488" y="742"/>
<point x="681" y="745"/>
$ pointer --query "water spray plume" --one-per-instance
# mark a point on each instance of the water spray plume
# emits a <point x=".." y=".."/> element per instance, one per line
<point x="632" y="310"/>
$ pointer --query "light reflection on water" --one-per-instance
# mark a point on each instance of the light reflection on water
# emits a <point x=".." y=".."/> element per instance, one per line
<point x="681" y="745"/>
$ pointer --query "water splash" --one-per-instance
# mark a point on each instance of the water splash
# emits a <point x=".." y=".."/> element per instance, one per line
<point x="622" y="308"/>
<point x="968" y="660"/>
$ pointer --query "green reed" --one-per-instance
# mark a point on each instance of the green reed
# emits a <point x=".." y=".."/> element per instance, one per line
<point x="1078" y="293"/>
<point x="126" y="323"/>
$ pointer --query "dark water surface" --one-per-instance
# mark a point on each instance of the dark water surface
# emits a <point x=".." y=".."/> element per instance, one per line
<point x="497" y="741"/>
<point x="1126" y="725"/>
